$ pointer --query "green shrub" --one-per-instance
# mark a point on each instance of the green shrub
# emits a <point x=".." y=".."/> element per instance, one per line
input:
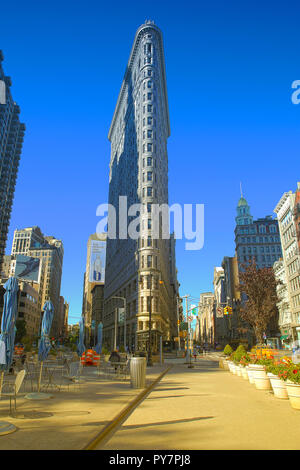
<point x="105" y="350"/>
<point x="228" y="350"/>
<point x="239" y="353"/>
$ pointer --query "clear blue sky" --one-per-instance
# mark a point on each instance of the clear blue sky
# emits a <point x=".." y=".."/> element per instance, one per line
<point x="229" y="67"/>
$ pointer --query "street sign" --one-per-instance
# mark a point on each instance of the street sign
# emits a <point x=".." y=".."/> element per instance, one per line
<point x="219" y="312"/>
<point x="194" y="309"/>
<point x="121" y="315"/>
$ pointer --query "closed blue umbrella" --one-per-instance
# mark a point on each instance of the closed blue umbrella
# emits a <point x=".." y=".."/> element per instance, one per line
<point x="99" y="339"/>
<point x="45" y="345"/>
<point x="80" y="344"/>
<point x="9" y="315"/>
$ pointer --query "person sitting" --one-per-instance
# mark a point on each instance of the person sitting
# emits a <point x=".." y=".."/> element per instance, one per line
<point x="115" y="357"/>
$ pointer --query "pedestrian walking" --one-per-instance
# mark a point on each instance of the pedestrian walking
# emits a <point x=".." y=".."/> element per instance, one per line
<point x="195" y="353"/>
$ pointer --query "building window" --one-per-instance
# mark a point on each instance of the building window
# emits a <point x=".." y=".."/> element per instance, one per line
<point x="149" y="191"/>
<point x="149" y="261"/>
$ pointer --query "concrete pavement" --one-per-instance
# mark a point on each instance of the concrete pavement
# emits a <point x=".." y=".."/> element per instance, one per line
<point x="202" y="408"/>
<point x="69" y="420"/>
<point x="208" y="408"/>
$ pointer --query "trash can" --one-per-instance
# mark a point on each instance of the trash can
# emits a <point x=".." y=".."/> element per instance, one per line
<point x="138" y="372"/>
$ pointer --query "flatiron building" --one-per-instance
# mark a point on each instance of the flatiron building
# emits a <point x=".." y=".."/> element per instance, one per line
<point x="141" y="271"/>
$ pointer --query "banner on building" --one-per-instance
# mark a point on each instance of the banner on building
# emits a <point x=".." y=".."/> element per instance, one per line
<point x="27" y="268"/>
<point x="97" y="261"/>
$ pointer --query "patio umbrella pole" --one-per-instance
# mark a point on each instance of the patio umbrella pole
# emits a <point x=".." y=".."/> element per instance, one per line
<point x="40" y="377"/>
<point x="8" y="329"/>
<point x="44" y="348"/>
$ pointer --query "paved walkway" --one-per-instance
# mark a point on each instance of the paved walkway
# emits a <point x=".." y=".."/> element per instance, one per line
<point x="208" y="408"/>
<point x="69" y="420"/>
<point x="203" y="407"/>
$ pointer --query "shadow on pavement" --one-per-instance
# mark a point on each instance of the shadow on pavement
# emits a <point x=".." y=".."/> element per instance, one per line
<point x="161" y="423"/>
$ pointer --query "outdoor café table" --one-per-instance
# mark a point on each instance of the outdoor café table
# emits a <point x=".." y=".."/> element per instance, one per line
<point x="49" y="372"/>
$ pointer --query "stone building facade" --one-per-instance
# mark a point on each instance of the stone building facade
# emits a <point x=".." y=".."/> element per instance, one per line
<point x="256" y="239"/>
<point x="11" y="141"/>
<point x="139" y="269"/>
<point x="287" y="213"/>
<point x="31" y="242"/>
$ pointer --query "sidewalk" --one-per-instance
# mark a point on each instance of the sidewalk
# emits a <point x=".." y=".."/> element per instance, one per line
<point x="208" y="408"/>
<point x="69" y="420"/>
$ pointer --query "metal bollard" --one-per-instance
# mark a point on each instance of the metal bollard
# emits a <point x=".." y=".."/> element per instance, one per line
<point x="138" y="372"/>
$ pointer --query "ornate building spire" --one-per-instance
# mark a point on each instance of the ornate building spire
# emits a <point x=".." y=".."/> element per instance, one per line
<point x="244" y="216"/>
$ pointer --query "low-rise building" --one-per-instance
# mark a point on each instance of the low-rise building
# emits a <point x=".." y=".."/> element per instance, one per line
<point x="288" y="213"/>
<point x="206" y="318"/>
<point x="221" y="324"/>
<point x="285" y="317"/>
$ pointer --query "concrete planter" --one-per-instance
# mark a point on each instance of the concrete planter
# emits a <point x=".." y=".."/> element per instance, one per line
<point x="250" y="374"/>
<point x="278" y="386"/>
<point x="244" y="373"/>
<point x="231" y="366"/>
<point x="293" y="391"/>
<point x="261" y="380"/>
<point x="238" y="370"/>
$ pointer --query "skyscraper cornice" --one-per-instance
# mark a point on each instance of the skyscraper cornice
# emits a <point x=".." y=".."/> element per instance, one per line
<point x="144" y="28"/>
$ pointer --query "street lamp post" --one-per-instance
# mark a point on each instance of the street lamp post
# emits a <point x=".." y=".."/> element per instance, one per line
<point x="149" y="363"/>
<point x="149" y="355"/>
<point x="116" y="322"/>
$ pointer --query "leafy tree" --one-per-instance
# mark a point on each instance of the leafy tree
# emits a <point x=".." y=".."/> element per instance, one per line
<point x="259" y="288"/>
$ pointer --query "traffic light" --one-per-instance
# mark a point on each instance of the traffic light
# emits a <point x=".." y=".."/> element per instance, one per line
<point x="227" y="310"/>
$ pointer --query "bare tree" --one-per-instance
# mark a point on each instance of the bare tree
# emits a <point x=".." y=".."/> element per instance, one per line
<point x="259" y="297"/>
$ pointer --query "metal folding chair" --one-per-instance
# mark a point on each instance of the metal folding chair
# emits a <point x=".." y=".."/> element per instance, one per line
<point x="15" y="387"/>
<point x="74" y="375"/>
<point x="32" y="371"/>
